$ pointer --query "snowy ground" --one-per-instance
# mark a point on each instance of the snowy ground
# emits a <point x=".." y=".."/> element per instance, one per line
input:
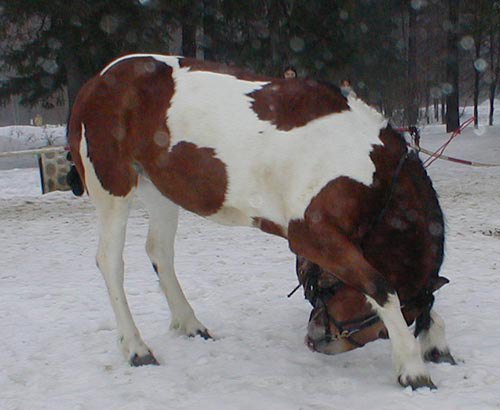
<point x="58" y="347"/>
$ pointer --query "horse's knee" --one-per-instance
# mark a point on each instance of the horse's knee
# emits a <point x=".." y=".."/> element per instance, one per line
<point x="379" y="290"/>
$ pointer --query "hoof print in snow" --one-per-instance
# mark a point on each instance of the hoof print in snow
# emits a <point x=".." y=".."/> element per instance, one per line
<point x="204" y="334"/>
<point x="145" y="360"/>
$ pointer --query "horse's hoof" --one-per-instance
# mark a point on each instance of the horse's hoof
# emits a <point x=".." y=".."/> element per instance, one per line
<point x="204" y="334"/>
<point x="145" y="360"/>
<point x="437" y="356"/>
<point x="417" y="382"/>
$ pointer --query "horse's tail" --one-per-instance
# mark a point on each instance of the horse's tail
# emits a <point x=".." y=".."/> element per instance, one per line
<point x="75" y="177"/>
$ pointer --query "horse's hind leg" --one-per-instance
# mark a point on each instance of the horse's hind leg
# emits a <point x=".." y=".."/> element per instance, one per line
<point x="163" y="217"/>
<point x="112" y="213"/>
<point x="432" y="338"/>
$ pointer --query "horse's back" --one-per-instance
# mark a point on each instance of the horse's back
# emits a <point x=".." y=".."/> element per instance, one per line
<point x="218" y="143"/>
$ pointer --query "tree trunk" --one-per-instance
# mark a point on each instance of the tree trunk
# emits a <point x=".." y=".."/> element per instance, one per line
<point x="427" y="105"/>
<point x="452" y="100"/>
<point x="412" y="108"/>
<point x="208" y="45"/>
<point x="495" y="69"/>
<point x="477" y="42"/>
<point x="75" y="77"/>
<point x="189" y="39"/>
<point x="493" y="88"/>
<point x="443" y="110"/>
<point x="476" y="85"/>
<point x="277" y="60"/>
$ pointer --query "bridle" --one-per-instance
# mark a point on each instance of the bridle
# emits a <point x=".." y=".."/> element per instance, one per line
<point x="318" y="296"/>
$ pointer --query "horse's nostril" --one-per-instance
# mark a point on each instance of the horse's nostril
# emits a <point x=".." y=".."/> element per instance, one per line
<point x="310" y="343"/>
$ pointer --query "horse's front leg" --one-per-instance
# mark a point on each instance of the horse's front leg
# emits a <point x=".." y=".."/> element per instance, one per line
<point x="328" y="247"/>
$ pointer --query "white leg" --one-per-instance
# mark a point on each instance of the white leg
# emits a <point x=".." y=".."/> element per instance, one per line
<point x="163" y="218"/>
<point x="408" y="362"/>
<point x="112" y="222"/>
<point x="112" y="218"/>
<point x="433" y="341"/>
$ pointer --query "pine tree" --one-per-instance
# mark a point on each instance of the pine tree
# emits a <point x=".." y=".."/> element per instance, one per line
<point x="452" y="69"/>
<point x="49" y="44"/>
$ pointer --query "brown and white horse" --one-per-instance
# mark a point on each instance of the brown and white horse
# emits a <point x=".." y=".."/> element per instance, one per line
<point x="293" y="158"/>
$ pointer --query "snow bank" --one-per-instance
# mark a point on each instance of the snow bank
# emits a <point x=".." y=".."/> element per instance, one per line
<point x="16" y="138"/>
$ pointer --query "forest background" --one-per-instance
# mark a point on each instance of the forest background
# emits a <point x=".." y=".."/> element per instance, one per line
<point x="417" y="61"/>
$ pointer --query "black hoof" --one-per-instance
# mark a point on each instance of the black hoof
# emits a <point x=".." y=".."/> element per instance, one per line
<point x="148" y="359"/>
<point x="437" y="356"/>
<point x="204" y="334"/>
<point x="418" y="382"/>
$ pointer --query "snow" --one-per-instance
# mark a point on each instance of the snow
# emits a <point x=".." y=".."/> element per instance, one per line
<point x="58" y="344"/>
<point x="18" y="138"/>
<point x="15" y="138"/>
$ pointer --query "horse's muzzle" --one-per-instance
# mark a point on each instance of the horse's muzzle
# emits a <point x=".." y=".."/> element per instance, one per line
<point x="321" y="340"/>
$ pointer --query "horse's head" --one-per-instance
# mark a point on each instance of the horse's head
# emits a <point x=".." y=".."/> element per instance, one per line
<point x="401" y="234"/>
<point x="342" y="319"/>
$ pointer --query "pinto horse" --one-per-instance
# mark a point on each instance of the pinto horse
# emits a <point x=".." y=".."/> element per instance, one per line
<point x="292" y="158"/>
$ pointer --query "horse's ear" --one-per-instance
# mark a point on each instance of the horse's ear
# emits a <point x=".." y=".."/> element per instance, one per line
<point x="439" y="282"/>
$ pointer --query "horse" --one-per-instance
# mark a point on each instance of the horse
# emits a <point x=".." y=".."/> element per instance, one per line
<point x="291" y="157"/>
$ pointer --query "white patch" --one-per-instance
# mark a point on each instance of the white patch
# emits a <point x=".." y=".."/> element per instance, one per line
<point x="283" y="169"/>
<point x="94" y="186"/>
<point x="434" y="337"/>
<point x="172" y="61"/>
<point x="405" y="349"/>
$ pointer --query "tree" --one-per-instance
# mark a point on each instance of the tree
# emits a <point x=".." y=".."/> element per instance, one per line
<point x="494" y="54"/>
<point x="45" y="48"/>
<point x="477" y="24"/>
<point x="413" y="103"/>
<point x="452" y="69"/>
<point x="494" y="37"/>
<point x="266" y="35"/>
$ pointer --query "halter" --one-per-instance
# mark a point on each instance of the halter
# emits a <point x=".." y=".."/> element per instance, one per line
<point x="318" y="296"/>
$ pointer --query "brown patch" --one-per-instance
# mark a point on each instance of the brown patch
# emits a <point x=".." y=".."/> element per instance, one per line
<point x="190" y="176"/>
<point x="270" y="227"/>
<point x="285" y="103"/>
<point x="327" y="246"/>
<point x="293" y="103"/>
<point x="122" y="111"/>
